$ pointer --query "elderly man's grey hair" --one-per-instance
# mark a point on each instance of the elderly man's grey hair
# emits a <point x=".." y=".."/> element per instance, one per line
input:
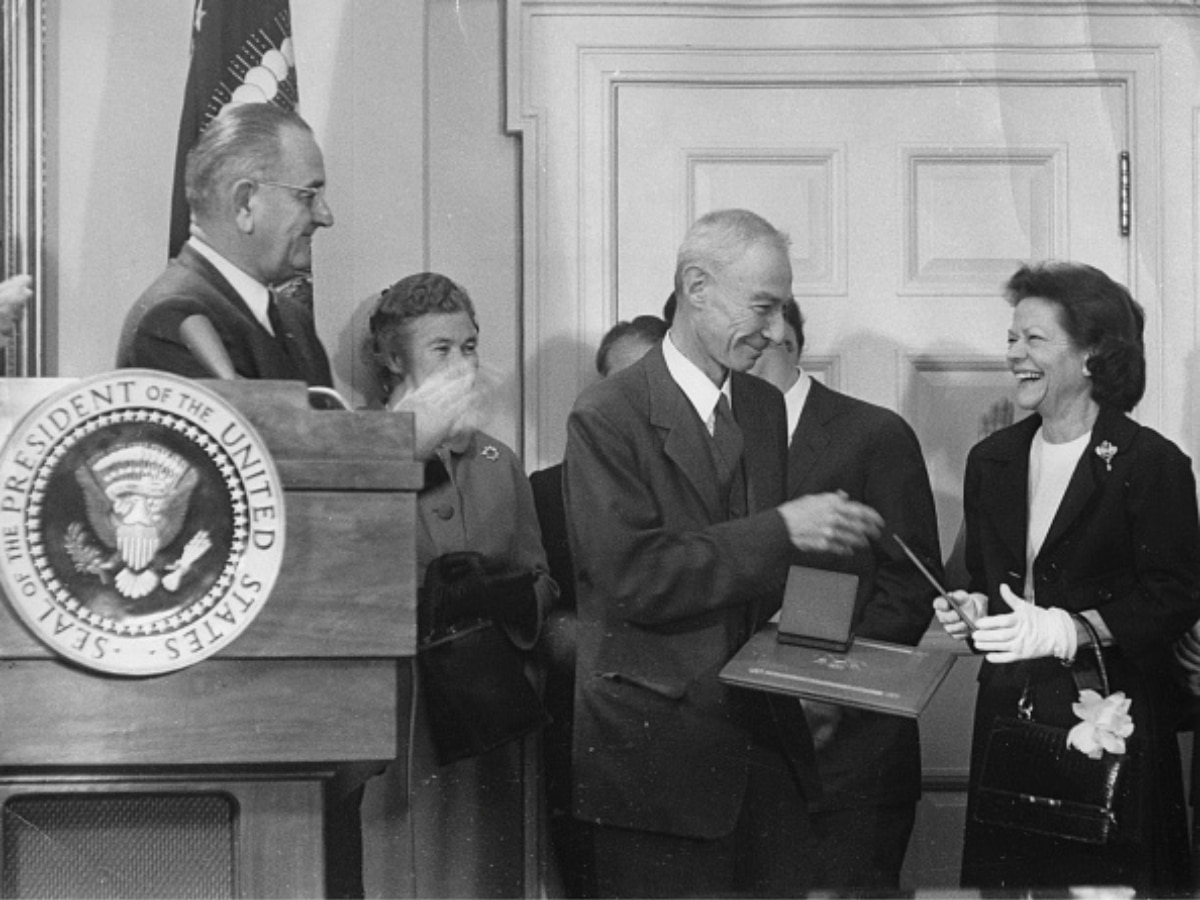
<point x="243" y="141"/>
<point x="719" y="239"/>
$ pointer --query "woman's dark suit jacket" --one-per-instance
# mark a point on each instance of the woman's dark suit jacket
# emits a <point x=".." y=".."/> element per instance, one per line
<point x="668" y="588"/>
<point x="1125" y="542"/>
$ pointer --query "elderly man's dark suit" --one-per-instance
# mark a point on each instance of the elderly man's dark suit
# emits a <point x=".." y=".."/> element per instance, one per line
<point x="669" y="586"/>
<point x="842" y="443"/>
<point x="191" y="285"/>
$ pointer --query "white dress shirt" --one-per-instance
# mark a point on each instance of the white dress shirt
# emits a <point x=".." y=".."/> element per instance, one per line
<point x="697" y="386"/>
<point x="795" y="398"/>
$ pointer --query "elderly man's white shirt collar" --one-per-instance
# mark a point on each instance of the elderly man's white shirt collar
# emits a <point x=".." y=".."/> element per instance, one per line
<point x="696" y="386"/>
<point x="795" y="398"/>
<point x="250" y="289"/>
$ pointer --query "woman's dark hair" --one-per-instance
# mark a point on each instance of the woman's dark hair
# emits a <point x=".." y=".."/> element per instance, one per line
<point x="1099" y="316"/>
<point x="410" y="298"/>
<point x="647" y="329"/>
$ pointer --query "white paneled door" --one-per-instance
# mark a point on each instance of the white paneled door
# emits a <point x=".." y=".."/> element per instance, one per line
<point x="909" y="203"/>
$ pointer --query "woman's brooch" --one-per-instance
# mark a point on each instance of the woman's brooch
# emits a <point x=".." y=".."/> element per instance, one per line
<point x="1106" y="452"/>
<point x="489" y="452"/>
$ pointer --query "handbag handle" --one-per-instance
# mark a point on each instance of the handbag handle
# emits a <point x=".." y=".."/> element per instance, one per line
<point x="1025" y="701"/>
<point x="1095" y="638"/>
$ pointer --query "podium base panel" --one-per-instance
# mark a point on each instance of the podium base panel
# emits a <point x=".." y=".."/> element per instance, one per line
<point x="169" y="837"/>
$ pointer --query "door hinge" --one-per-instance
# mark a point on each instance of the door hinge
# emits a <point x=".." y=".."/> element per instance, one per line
<point x="1126" y="210"/>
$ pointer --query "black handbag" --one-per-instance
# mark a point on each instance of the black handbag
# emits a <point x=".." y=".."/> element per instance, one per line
<point x="477" y="695"/>
<point x="1032" y="781"/>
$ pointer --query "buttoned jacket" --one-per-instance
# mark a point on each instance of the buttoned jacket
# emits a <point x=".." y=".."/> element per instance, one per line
<point x="668" y="587"/>
<point x="1124" y="541"/>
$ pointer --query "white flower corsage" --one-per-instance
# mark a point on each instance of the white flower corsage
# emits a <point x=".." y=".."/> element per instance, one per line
<point x="1105" y="723"/>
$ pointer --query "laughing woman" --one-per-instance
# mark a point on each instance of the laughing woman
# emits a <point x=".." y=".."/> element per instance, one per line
<point x="1079" y="513"/>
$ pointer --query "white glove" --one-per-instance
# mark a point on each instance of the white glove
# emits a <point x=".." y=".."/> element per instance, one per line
<point x="1028" y="632"/>
<point x="973" y="606"/>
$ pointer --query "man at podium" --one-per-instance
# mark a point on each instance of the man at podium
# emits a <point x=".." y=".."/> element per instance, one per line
<point x="256" y="186"/>
<point x="870" y="763"/>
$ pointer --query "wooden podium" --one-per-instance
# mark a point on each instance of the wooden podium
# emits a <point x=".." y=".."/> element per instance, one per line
<point x="209" y="781"/>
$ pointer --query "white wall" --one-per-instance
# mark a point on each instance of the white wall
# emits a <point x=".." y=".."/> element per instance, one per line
<point x="114" y="88"/>
<point x="474" y="213"/>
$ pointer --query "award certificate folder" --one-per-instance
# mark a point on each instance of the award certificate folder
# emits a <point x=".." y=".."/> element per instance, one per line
<point x="886" y="678"/>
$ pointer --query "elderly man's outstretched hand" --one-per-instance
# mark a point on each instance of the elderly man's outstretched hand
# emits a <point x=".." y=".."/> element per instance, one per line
<point x="830" y="523"/>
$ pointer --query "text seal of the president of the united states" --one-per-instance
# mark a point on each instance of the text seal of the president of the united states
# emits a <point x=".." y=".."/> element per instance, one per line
<point x="141" y="522"/>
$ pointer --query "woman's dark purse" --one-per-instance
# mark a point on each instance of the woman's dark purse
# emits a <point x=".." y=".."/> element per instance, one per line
<point x="472" y="674"/>
<point x="1033" y="781"/>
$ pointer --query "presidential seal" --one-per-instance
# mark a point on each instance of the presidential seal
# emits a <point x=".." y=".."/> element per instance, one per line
<point x="142" y="522"/>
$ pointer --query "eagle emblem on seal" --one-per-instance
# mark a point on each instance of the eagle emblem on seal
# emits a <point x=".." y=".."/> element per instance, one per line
<point x="137" y="497"/>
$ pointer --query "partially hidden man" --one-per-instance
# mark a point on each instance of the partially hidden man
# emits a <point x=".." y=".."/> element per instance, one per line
<point x="255" y="182"/>
<point x="675" y="489"/>
<point x="870" y="763"/>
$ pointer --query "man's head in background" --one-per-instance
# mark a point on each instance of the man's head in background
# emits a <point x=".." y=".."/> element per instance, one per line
<point x="627" y="342"/>
<point x="779" y="362"/>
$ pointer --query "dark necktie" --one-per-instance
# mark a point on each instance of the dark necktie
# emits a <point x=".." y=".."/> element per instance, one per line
<point x="274" y="318"/>
<point x="281" y="336"/>
<point x="728" y="445"/>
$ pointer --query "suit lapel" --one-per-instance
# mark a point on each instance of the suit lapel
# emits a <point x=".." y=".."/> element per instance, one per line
<point x="756" y="454"/>
<point x="1079" y="491"/>
<point x="1111" y="428"/>
<point x="1008" y="456"/>
<point x="685" y="440"/>
<point x="811" y="438"/>
<point x="192" y="260"/>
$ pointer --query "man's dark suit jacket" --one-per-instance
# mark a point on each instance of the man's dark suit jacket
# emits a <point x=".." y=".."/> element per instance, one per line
<point x="191" y="285"/>
<point x="842" y="443"/>
<point x="552" y="519"/>
<point x="668" y="588"/>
